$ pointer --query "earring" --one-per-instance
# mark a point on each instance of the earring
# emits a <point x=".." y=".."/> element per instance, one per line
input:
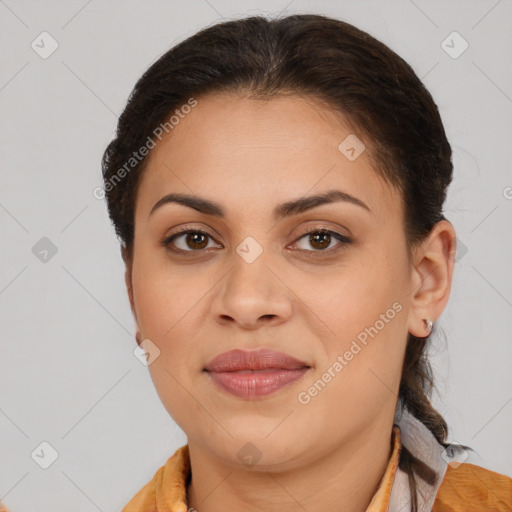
<point x="428" y="324"/>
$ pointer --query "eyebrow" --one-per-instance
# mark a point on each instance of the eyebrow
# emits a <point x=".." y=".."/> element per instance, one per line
<point x="281" y="211"/>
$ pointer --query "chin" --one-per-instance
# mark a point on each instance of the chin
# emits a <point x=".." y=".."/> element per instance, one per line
<point x="259" y="451"/>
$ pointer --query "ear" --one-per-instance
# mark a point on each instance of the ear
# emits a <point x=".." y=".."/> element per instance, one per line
<point x="128" y="261"/>
<point x="434" y="262"/>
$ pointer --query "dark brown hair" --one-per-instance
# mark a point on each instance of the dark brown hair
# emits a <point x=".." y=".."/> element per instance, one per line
<point x="350" y="72"/>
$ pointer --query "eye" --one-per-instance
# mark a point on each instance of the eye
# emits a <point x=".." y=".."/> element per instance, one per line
<point x="189" y="240"/>
<point x="195" y="240"/>
<point x="321" y="239"/>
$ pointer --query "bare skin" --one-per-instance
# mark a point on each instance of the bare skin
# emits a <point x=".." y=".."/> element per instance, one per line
<point x="307" y="297"/>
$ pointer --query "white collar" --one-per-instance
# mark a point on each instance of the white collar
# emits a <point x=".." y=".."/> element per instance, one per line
<point x="423" y="445"/>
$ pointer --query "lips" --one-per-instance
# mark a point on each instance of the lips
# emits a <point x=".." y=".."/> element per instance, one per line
<point x="254" y="374"/>
<point x="262" y="359"/>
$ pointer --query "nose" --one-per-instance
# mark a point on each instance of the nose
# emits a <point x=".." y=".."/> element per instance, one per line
<point x="252" y="295"/>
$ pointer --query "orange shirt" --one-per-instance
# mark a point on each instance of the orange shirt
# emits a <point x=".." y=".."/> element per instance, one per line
<point x="464" y="488"/>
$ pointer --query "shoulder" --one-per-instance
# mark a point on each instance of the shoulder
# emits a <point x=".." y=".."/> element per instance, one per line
<point x="145" y="499"/>
<point x="471" y="488"/>
<point x="166" y="488"/>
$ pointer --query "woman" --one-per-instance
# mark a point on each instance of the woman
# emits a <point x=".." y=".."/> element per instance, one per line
<point x="277" y="188"/>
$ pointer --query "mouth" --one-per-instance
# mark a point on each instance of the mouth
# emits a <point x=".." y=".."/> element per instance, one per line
<point x="254" y="374"/>
<point x="261" y="359"/>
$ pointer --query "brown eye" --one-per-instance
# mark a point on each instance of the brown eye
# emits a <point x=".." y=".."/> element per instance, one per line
<point x="187" y="241"/>
<point x="321" y="239"/>
<point x="195" y="240"/>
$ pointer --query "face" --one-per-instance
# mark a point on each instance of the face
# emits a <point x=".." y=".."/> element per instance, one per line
<point x="336" y="300"/>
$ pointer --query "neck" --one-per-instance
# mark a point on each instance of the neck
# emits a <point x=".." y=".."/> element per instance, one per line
<point x="345" y="478"/>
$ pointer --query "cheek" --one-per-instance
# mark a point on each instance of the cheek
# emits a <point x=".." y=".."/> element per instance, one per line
<point x="176" y="392"/>
<point x="356" y="299"/>
<point x="366" y="308"/>
<point x="360" y="375"/>
<point x="164" y="298"/>
<point x="167" y="309"/>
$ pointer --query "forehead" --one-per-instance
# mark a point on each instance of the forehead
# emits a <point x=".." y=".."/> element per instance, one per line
<point x="249" y="152"/>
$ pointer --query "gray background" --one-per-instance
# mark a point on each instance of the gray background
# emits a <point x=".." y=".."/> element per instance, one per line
<point x="68" y="375"/>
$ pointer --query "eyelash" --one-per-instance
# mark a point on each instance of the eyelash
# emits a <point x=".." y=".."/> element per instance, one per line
<point x="343" y="239"/>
